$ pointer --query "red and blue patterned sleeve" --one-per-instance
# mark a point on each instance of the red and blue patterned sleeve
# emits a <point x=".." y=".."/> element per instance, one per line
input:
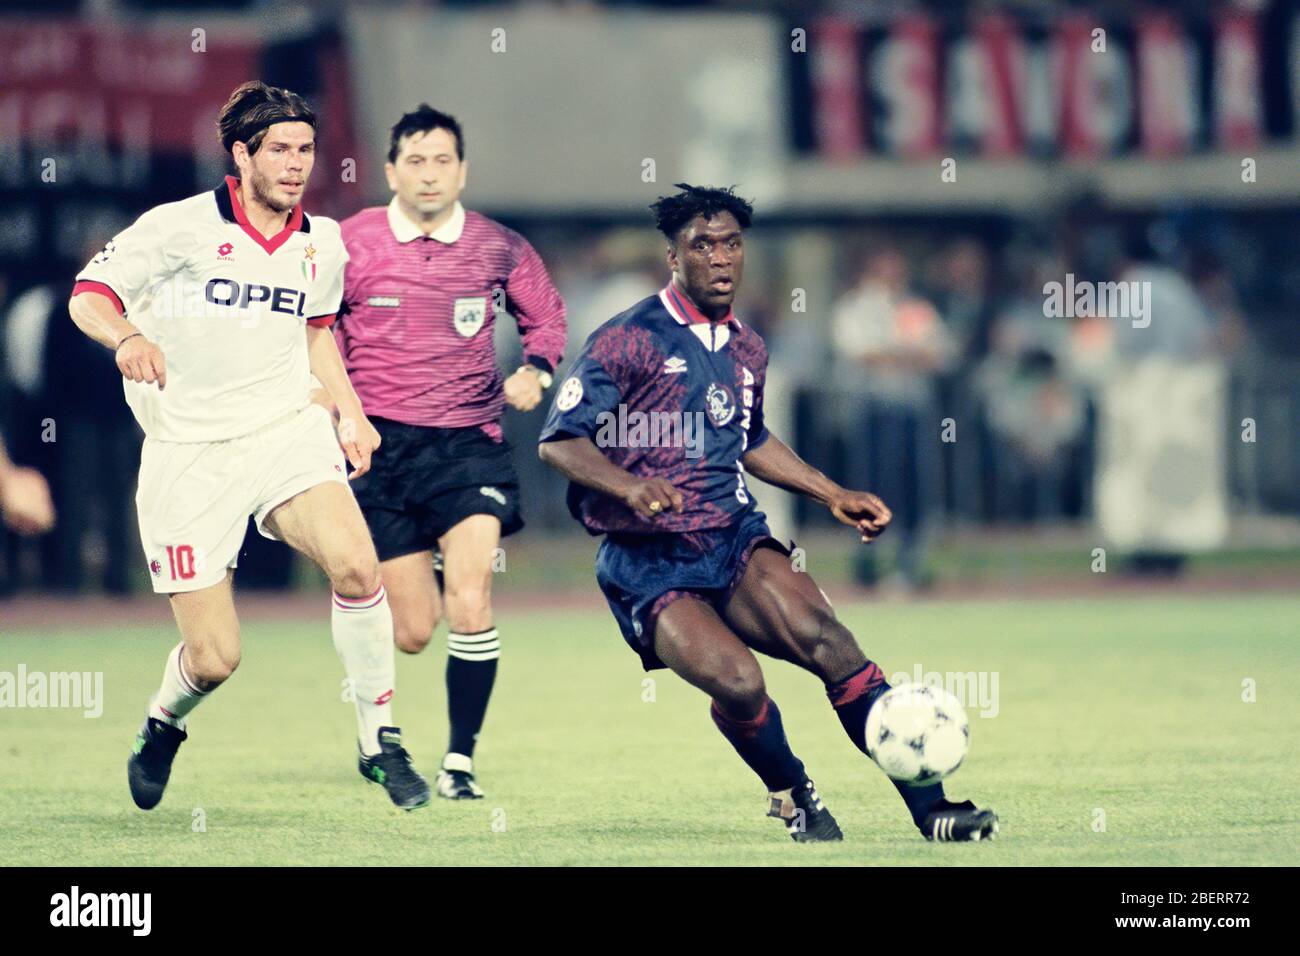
<point x="586" y="394"/>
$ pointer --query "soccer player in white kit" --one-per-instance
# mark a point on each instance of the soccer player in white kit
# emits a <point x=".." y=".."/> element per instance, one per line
<point x="218" y="308"/>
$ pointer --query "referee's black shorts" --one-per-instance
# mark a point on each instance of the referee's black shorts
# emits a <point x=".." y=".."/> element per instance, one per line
<point x="424" y="480"/>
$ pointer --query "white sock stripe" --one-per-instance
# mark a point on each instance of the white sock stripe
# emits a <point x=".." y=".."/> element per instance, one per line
<point x="185" y="678"/>
<point x="474" y="640"/>
<point x="365" y="598"/>
<point x="473" y="645"/>
<point x="361" y="603"/>
<point x="485" y="646"/>
<point x="480" y="638"/>
<point x="489" y="655"/>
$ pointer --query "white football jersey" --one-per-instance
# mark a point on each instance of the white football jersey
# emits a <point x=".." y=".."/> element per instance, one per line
<point x="227" y="306"/>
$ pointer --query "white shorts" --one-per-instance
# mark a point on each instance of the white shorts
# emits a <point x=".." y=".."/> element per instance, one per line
<point x="194" y="498"/>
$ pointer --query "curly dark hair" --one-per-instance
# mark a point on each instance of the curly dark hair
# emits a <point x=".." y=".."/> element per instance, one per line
<point x="672" y="213"/>
<point x="253" y="107"/>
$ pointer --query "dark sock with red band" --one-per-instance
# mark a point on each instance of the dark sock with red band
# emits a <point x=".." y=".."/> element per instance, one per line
<point x="761" y="743"/>
<point x="852" y="698"/>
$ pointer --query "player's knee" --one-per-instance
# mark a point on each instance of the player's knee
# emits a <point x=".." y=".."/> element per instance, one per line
<point x="212" y="665"/>
<point x="355" y="576"/>
<point x="469" y="607"/>
<point x="740" y="689"/>
<point x="412" y="634"/>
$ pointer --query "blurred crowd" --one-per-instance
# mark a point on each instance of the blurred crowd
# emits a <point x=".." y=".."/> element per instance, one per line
<point x="942" y="348"/>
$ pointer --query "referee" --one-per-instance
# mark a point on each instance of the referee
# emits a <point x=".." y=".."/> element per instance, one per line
<point x="424" y="286"/>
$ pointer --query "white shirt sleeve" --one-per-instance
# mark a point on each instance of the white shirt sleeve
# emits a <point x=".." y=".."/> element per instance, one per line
<point x="136" y="259"/>
<point x="326" y="293"/>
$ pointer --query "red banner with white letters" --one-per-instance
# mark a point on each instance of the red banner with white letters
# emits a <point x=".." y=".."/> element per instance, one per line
<point x="1076" y="84"/>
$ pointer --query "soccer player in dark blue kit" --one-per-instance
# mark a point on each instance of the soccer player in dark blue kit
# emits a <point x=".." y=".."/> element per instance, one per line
<point x="690" y="570"/>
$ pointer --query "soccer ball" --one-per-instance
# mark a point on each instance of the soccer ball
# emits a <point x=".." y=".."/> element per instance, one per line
<point x="917" y="733"/>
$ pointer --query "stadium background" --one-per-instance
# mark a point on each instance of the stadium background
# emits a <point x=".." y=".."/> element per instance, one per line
<point x="920" y="171"/>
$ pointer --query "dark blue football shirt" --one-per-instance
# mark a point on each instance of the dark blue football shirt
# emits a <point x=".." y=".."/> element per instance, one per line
<point x="665" y="393"/>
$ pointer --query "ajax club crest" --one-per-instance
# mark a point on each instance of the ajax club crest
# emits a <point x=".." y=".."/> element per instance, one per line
<point x="720" y="403"/>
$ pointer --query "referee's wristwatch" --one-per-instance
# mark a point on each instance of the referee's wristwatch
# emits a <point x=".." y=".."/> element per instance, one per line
<point x="543" y="377"/>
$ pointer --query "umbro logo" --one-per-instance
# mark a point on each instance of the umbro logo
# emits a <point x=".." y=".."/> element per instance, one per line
<point x="674" y="365"/>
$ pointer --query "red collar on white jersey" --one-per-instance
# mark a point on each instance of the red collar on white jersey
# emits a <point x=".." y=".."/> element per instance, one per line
<point x="681" y="308"/>
<point x="227" y="196"/>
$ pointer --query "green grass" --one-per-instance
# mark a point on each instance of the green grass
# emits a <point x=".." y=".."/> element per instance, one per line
<point x="1129" y="706"/>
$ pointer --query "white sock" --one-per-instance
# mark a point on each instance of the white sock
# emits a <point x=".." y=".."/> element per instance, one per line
<point x="177" y="696"/>
<point x="363" y="637"/>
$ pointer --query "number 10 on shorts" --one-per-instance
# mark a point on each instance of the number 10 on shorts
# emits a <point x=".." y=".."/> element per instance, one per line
<point x="180" y="558"/>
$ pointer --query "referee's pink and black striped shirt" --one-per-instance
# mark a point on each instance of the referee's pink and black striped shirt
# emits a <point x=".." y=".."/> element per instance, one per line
<point x="416" y="324"/>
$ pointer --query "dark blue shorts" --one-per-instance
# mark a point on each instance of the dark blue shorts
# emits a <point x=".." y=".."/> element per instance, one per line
<point x="641" y="574"/>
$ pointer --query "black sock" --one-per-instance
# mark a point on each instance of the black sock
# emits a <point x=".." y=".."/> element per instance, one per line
<point x="919" y="800"/>
<point x="761" y="743"/>
<point x="852" y="698"/>
<point x="471" y="671"/>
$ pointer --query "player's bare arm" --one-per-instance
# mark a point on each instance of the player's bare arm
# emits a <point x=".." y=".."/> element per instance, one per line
<point x="137" y="358"/>
<point x="776" y="463"/>
<point x="579" y="460"/>
<point x="357" y="436"/>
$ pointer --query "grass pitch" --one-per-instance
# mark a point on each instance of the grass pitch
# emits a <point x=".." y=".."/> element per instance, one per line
<point x="1121" y="737"/>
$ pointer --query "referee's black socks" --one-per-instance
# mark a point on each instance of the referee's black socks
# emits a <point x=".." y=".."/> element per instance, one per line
<point x="471" y="672"/>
